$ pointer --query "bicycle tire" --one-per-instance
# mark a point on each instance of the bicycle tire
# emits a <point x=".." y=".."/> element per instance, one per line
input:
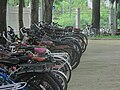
<point x="66" y="68"/>
<point x="72" y="41"/>
<point x="36" y="81"/>
<point x="83" y="41"/>
<point x="61" y="77"/>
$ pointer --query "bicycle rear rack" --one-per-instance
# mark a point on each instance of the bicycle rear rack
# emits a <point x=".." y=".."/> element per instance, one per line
<point x="15" y="86"/>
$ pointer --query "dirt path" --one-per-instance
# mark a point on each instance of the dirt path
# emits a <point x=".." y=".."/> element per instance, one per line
<point x="99" y="68"/>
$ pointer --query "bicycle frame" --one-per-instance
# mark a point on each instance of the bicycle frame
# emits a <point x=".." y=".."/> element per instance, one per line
<point x="8" y="84"/>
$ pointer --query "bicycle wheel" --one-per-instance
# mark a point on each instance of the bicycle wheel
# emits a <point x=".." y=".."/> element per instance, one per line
<point x="69" y="56"/>
<point x="62" y="65"/>
<point x="83" y="41"/>
<point x="61" y="77"/>
<point x="74" y="55"/>
<point x="74" y="59"/>
<point x="38" y="81"/>
<point x="73" y="43"/>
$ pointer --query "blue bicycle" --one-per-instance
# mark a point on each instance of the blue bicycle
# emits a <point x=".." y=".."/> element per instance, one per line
<point x="6" y="83"/>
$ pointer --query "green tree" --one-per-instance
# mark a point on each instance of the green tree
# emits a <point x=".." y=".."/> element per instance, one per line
<point x="20" y="15"/>
<point x="82" y="4"/>
<point x="34" y="11"/>
<point x="96" y="15"/>
<point x="47" y="13"/>
<point x="3" y="4"/>
<point x="3" y="26"/>
<point x="118" y="10"/>
<point x="112" y="1"/>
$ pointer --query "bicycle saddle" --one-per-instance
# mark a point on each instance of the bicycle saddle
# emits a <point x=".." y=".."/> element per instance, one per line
<point x="40" y="50"/>
<point x="48" y="43"/>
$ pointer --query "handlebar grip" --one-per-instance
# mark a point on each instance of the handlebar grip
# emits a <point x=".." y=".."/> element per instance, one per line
<point x="11" y="28"/>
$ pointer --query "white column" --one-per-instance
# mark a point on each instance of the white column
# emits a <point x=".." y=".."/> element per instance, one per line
<point x="78" y="18"/>
<point x="90" y="4"/>
<point x="112" y="19"/>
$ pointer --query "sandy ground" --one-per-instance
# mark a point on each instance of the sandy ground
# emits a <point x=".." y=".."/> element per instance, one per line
<point x="99" y="68"/>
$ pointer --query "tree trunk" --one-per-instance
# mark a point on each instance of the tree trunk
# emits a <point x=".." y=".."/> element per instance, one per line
<point x="23" y="3"/>
<point x="21" y="25"/>
<point x="118" y="10"/>
<point x="48" y="4"/>
<point x="3" y="7"/>
<point x="3" y="26"/>
<point x="34" y="11"/>
<point x="96" y="15"/>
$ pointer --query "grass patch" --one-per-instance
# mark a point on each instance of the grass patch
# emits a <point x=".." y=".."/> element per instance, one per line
<point x="108" y="37"/>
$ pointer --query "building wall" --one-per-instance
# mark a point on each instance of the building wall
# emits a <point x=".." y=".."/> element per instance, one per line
<point x="12" y="17"/>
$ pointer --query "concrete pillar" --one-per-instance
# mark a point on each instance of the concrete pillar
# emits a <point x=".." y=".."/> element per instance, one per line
<point x="42" y="10"/>
<point x="78" y="18"/>
<point x="113" y="19"/>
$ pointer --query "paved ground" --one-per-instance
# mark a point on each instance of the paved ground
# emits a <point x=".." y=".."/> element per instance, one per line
<point x="99" y="68"/>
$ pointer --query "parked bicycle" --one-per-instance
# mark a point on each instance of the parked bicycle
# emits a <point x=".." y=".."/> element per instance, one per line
<point x="88" y="30"/>
<point x="44" y="58"/>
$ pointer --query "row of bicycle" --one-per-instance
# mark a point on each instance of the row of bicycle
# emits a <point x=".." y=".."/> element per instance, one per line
<point x="42" y="58"/>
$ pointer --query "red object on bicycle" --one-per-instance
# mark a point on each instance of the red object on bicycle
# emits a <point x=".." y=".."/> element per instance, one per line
<point x="75" y="28"/>
<point x="38" y="58"/>
<point x="30" y="55"/>
<point x="40" y="50"/>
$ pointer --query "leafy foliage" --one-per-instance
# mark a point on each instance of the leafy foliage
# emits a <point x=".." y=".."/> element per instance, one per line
<point x="58" y="2"/>
<point x="112" y="1"/>
<point x="15" y="2"/>
<point x="62" y="11"/>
